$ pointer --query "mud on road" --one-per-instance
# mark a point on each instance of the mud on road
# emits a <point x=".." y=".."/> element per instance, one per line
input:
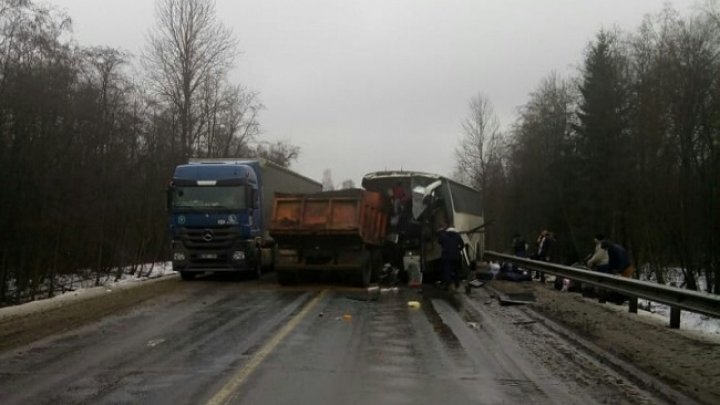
<point x="684" y="360"/>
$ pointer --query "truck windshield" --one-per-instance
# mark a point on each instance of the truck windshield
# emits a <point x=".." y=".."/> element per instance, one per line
<point x="220" y="197"/>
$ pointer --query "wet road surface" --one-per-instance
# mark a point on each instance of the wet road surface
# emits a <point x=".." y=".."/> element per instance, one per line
<point x="219" y="341"/>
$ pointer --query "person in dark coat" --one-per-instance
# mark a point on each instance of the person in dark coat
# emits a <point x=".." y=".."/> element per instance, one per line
<point x="618" y="259"/>
<point x="519" y="246"/>
<point x="545" y="243"/>
<point x="452" y="245"/>
<point x="618" y="263"/>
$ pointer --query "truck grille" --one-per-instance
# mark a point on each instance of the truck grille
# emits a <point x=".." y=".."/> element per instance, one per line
<point x="208" y="238"/>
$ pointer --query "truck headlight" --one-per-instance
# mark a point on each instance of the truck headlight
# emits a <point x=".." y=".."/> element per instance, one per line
<point x="238" y="255"/>
<point x="179" y="256"/>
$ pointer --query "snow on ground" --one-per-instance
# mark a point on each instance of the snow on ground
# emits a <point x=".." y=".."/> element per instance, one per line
<point x="688" y="320"/>
<point x="86" y="288"/>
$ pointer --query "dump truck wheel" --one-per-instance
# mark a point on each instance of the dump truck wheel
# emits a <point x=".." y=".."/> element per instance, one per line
<point x="188" y="275"/>
<point x="366" y="269"/>
<point x="286" y="277"/>
<point x="377" y="264"/>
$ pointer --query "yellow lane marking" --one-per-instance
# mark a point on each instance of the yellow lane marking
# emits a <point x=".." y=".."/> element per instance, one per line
<point x="225" y="394"/>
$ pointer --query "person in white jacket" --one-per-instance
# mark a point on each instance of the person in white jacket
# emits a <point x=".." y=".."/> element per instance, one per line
<point x="599" y="261"/>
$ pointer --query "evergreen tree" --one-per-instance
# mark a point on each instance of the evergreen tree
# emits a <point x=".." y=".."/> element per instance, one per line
<point x="602" y="139"/>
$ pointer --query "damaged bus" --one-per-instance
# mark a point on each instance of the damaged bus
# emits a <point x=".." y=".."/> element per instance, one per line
<point x="427" y="203"/>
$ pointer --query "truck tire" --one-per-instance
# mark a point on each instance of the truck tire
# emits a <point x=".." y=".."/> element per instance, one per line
<point x="188" y="275"/>
<point x="285" y="277"/>
<point x="366" y="269"/>
<point x="273" y="259"/>
<point x="377" y="264"/>
<point x="257" y="265"/>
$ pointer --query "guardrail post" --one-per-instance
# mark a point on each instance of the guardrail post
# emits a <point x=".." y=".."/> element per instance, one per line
<point x="633" y="305"/>
<point x="674" y="317"/>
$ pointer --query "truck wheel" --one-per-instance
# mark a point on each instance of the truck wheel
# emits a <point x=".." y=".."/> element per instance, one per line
<point x="377" y="264"/>
<point x="287" y="277"/>
<point x="366" y="269"/>
<point x="187" y="275"/>
<point x="258" y="270"/>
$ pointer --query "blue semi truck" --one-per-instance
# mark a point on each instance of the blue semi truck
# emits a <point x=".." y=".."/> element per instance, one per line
<point x="219" y="213"/>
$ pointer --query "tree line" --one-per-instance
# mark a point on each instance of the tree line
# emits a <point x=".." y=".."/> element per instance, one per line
<point x="629" y="147"/>
<point x="89" y="137"/>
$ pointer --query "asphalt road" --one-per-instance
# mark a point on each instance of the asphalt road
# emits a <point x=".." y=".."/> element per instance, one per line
<point x="220" y="341"/>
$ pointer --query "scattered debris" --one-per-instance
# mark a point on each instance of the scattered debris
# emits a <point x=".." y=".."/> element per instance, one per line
<point x="388" y="275"/>
<point x="155" y="342"/>
<point x="347" y="317"/>
<point x="321" y="314"/>
<point x="476" y="283"/>
<point x="517" y="299"/>
<point x="524" y="322"/>
<point x="414" y="304"/>
<point x="474" y="325"/>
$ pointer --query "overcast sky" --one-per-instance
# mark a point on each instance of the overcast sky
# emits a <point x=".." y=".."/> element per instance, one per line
<point x="369" y="85"/>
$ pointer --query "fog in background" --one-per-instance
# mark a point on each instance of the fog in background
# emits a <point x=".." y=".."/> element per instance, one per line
<point x="371" y="85"/>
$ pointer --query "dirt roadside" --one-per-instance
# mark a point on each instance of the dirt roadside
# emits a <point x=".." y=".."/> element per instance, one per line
<point x="21" y="326"/>
<point x="688" y="361"/>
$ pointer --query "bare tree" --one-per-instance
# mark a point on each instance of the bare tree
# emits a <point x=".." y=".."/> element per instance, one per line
<point x="280" y="152"/>
<point x="479" y="145"/>
<point x="186" y="49"/>
<point x="349" y="183"/>
<point x="327" y="181"/>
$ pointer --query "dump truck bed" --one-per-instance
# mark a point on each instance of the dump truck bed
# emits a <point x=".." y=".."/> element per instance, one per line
<point x="345" y="213"/>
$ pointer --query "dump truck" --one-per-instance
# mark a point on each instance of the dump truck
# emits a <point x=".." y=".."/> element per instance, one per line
<point x="219" y="211"/>
<point x="337" y="231"/>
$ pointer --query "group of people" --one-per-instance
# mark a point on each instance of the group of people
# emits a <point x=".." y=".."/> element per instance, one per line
<point x="544" y="250"/>
<point x="608" y="257"/>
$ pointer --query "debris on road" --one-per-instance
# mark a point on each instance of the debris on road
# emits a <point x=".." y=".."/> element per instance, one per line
<point x="155" y="342"/>
<point x="517" y="299"/>
<point x="414" y="304"/>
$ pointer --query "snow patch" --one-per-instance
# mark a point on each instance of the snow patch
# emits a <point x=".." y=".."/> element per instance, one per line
<point x="85" y="289"/>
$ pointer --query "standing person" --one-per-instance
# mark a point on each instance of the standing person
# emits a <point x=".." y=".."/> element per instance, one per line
<point x="545" y="243"/>
<point x="452" y="245"/>
<point x="599" y="259"/>
<point x="519" y="246"/>
<point x="400" y="198"/>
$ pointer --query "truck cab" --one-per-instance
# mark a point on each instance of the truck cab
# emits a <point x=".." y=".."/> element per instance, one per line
<point x="219" y="212"/>
<point x="216" y="217"/>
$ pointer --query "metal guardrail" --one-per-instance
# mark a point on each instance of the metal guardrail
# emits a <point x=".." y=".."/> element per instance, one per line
<point x="676" y="298"/>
